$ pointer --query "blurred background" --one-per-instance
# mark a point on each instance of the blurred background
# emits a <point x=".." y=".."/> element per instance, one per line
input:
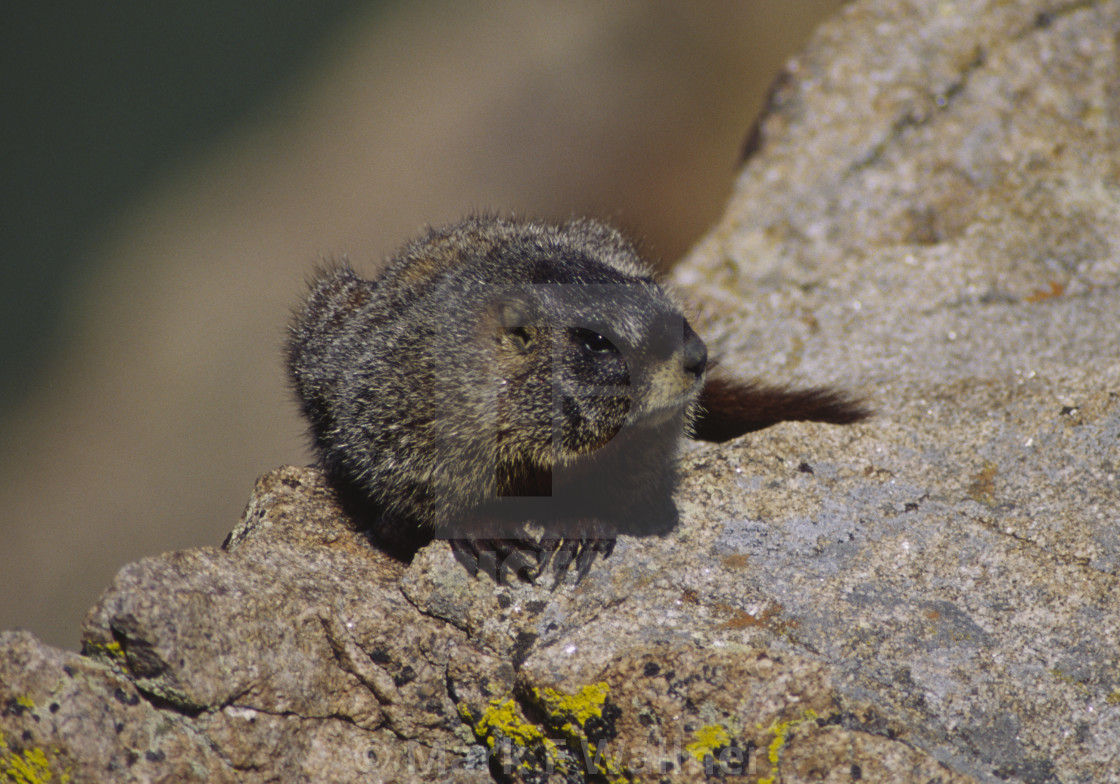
<point x="172" y="171"/>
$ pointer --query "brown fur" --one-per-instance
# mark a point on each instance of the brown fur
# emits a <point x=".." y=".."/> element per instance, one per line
<point x="728" y="407"/>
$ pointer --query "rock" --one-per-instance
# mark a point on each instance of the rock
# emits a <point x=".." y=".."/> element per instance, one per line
<point x="931" y="215"/>
<point x="65" y="717"/>
<point x="933" y="212"/>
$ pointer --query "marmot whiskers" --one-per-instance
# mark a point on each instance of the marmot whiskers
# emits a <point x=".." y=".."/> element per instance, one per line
<point x="518" y="388"/>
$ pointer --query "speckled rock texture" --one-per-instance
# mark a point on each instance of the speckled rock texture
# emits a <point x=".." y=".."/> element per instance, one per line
<point x="929" y="215"/>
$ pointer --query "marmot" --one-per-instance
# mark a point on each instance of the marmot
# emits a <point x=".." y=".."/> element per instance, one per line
<point x="516" y="387"/>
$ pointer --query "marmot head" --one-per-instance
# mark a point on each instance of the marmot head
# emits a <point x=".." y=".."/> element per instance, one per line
<point x="577" y="339"/>
<point x="577" y="363"/>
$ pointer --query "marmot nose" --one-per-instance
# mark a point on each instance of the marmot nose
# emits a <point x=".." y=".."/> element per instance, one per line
<point x="695" y="352"/>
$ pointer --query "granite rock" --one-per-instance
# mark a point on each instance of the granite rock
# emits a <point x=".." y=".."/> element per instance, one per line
<point x="930" y="216"/>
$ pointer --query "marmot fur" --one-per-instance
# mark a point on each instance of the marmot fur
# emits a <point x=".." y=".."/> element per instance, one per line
<point x="506" y="382"/>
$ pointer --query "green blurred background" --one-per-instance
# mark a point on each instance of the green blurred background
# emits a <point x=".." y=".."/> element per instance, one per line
<point x="171" y="171"/>
<point x="97" y="98"/>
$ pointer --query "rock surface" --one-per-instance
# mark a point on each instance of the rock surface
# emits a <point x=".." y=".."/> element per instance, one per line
<point x="931" y="216"/>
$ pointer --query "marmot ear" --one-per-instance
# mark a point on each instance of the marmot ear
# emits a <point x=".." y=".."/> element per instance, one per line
<point x="516" y="318"/>
<point x="728" y="408"/>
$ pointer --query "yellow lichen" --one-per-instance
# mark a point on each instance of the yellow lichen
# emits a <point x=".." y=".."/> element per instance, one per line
<point x="26" y="702"/>
<point x="573" y="710"/>
<point x="503" y="717"/>
<point x="570" y="712"/>
<point x="782" y="730"/>
<point x="708" y="739"/>
<point x="502" y="721"/>
<point x="30" y="766"/>
<point x="113" y="651"/>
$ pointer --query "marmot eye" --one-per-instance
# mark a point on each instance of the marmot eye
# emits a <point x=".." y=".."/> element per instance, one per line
<point x="593" y="342"/>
